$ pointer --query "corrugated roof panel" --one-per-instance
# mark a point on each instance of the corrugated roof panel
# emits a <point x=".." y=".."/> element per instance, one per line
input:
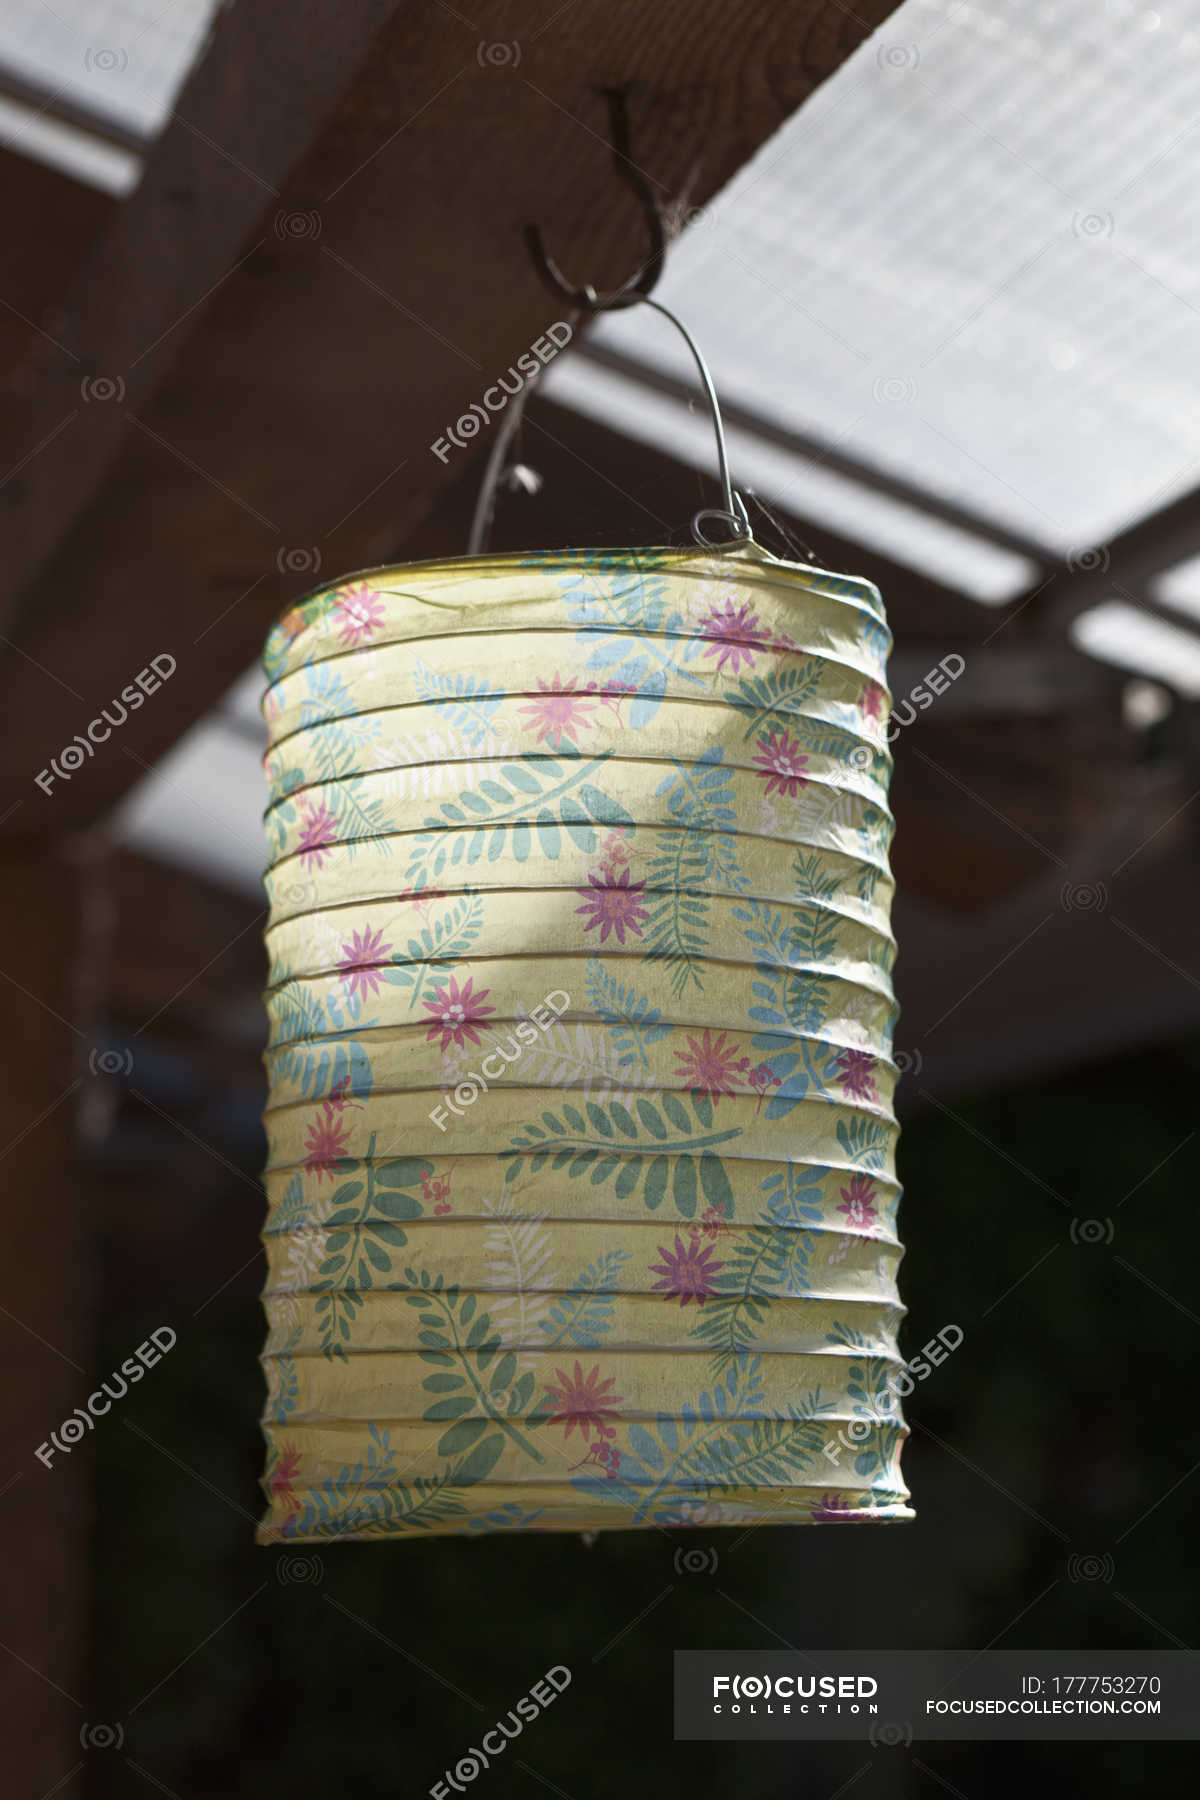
<point x="970" y="261"/>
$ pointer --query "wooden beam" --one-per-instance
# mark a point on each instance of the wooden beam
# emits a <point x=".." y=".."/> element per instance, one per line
<point x="1093" y="958"/>
<point x="1125" y="568"/>
<point x="187" y="965"/>
<point x="295" y="429"/>
<point x="795" y="438"/>
<point x="245" y="116"/>
<point x="54" y="220"/>
<point x="44" y="1321"/>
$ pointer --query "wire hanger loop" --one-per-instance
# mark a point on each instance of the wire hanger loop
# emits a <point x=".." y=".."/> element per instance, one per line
<point x="730" y="518"/>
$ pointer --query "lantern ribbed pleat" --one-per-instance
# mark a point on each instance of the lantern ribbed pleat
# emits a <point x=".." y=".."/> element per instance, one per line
<point x="580" y="1178"/>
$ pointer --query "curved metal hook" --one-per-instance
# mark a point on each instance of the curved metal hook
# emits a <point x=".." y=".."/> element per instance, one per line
<point x="639" y="288"/>
<point x="642" y="282"/>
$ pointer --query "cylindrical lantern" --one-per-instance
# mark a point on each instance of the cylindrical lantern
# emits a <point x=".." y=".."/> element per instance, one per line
<point x="581" y="1184"/>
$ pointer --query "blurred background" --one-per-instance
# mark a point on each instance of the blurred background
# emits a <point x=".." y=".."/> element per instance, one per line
<point x="942" y="260"/>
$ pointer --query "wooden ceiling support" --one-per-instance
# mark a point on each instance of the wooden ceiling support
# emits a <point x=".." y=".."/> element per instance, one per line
<point x="388" y="289"/>
<point x="255" y="100"/>
<point x="45" y="1308"/>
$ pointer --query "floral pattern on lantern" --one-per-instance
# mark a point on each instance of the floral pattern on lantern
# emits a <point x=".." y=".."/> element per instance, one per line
<point x="581" y="1146"/>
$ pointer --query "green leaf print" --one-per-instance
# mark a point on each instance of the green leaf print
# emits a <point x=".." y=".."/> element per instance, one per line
<point x="356" y="1252"/>
<point x="461" y="1343"/>
<point x="609" y="1144"/>
<point x="496" y="816"/>
<point x="696" y="853"/>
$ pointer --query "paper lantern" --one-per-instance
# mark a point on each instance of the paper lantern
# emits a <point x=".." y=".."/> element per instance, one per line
<point x="580" y="1180"/>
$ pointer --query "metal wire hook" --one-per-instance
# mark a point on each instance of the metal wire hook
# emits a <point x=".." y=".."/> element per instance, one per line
<point x="639" y="288"/>
<point x="642" y="282"/>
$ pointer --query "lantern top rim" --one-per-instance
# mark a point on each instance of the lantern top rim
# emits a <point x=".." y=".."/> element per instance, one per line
<point x="448" y="586"/>
<point x="675" y="556"/>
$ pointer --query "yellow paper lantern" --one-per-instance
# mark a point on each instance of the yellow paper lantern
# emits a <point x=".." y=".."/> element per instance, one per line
<point x="580" y="1179"/>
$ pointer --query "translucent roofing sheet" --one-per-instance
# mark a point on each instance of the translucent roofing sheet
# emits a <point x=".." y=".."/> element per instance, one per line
<point x="78" y="153"/>
<point x="1133" y="639"/>
<point x="985" y="571"/>
<point x="1180" y="587"/>
<point x="201" y="805"/>
<point x="121" y="59"/>
<point x="973" y="260"/>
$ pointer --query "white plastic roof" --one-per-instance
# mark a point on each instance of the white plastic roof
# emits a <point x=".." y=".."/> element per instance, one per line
<point x="971" y="261"/>
<point x="120" y="62"/>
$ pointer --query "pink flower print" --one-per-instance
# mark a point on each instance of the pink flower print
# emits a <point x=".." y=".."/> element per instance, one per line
<point x="325" y="1143"/>
<point x="762" y="1079"/>
<point x="858" y="1204"/>
<point x="339" y="1095"/>
<point x="687" y="1271"/>
<point x="614" y="855"/>
<point x="856" y="1072"/>
<point x="558" y="711"/>
<point x="456" y="1012"/>
<point x="737" y="634"/>
<point x="283" y="1476"/>
<point x="713" y="1222"/>
<point x="711" y="1066"/>
<point x="424" y="899"/>
<point x="833" y="1509"/>
<point x="605" y="1456"/>
<point x="583" y="1401"/>
<point x="317" y="833"/>
<point x="872" y="700"/>
<point x="614" y="906"/>
<point x="611" y="695"/>
<point x="359" y="964"/>
<point x="781" y="764"/>
<point x="435" y="1190"/>
<point x="359" y="613"/>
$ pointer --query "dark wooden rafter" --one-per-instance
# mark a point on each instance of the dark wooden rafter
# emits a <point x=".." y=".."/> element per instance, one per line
<point x="1125" y="569"/>
<point x="348" y="319"/>
<point x="45" y="1309"/>
<point x="271" y="72"/>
